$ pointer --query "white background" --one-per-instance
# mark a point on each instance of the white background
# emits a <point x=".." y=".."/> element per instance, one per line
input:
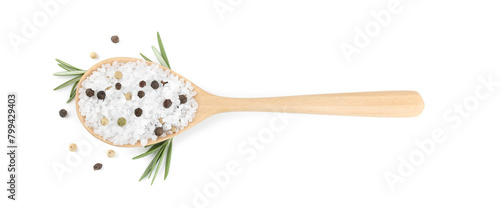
<point x="266" y="48"/>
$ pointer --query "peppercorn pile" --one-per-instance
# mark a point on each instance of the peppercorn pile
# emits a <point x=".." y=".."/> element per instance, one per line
<point x="130" y="102"/>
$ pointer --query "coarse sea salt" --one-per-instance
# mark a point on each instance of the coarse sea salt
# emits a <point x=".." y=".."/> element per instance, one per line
<point x="115" y="105"/>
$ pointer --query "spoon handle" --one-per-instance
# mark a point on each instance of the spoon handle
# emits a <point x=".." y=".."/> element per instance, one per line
<point x="373" y="104"/>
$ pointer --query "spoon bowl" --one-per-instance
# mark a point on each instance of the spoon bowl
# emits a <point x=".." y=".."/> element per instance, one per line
<point x="372" y="104"/>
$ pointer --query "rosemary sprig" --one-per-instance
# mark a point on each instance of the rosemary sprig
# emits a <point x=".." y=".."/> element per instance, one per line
<point x="145" y="58"/>
<point x="158" y="165"/>
<point x="150" y="151"/>
<point x="68" y="83"/>
<point x="67" y="65"/>
<point x="167" y="161"/>
<point x="159" y="57"/>
<point x="72" y="93"/>
<point x="162" y="50"/>
<point x="161" y="149"/>
<point x="70" y="71"/>
<point x="153" y="163"/>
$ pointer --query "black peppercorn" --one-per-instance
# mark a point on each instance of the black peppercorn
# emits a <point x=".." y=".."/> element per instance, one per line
<point x="63" y="113"/>
<point x="183" y="99"/>
<point x="89" y="92"/>
<point x="142" y="83"/>
<point x="101" y="95"/>
<point x="141" y="94"/>
<point x="167" y="103"/>
<point x="155" y="85"/>
<point x="158" y="131"/>
<point x="118" y="86"/>
<point x="138" y="112"/>
<point x="115" y="39"/>
<point x="97" y="166"/>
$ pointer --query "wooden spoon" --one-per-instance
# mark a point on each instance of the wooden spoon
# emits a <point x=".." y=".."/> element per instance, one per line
<point x="374" y="104"/>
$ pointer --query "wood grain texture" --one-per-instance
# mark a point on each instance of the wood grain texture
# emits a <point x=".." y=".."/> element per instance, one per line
<point x="373" y="104"/>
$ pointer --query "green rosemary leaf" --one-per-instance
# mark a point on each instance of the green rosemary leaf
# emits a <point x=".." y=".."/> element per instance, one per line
<point x="158" y="165"/>
<point x="167" y="158"/>
<point x="153" y="145"/>
<point x="145" y="58"/>
<point x="146" y="173"/>
<point x="73" y="92"/>
<point x="71" y="97"/>
<point x="159" y="154"/>
<point x="158" y="56"/>
<point x="65" y="67"/>
<point x="150" y="172"/>
<point x="69" y="82"/>
<point x="150" y="151"/>
<point x="69" y="73"/>
<point x="68" y="65"/>
<point x="162" y="50"/>
<point x="150" y="166"/>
